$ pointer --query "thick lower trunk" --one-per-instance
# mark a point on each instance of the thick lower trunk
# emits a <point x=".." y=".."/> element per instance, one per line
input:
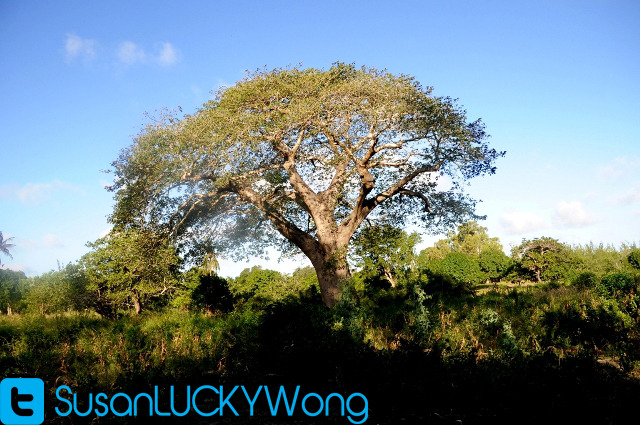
<point x="331" y="274"/>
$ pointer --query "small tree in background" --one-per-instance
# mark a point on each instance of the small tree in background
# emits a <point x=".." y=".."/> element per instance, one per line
<point x="259" y="283"/>
<point x="385" y="251"/>
<point x="470" y="238"/>
<point x="130" y="268"/>
<point x="494" y="263"/>
<point x="59" y="290"/>
<point x="545" y="258"/>
<point x="634" y="259"/>
<point x="208" y="292"/>
<point x="13" y="286"/>
<point x="464" y="268"/>
<point x="468" y="255"/>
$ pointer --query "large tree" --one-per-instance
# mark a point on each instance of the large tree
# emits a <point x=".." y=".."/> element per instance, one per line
<point x="299" y="158"/>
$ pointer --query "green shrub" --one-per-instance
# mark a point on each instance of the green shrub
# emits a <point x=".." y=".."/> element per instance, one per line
<point x="617" y="284"/>
<point x="494" y="263"/>
<point x="13" y="286"/>
<point x="463" y="268"/>
<point x="444" y="286"/>
<point x="586" y="280"/>
<point x="203" y="291"/>
<point x="634" y="259"/>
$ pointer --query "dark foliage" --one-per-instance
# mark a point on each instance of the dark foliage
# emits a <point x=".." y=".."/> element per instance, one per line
<point x="212" y="293"/>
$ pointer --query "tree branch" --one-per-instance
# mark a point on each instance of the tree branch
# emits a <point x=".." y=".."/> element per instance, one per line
<point x="427" y="204"/>
<point x="290" y="231"/>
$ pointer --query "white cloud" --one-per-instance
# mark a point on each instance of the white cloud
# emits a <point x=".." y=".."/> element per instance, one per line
<point x="105" y="232"/>
<point x="519" y="222"/>
<point x="76" y="47"/>
<point x="573" y="214"/>
<point x="168" y="55"/>
<point x="630" y="162"/>
<point x="622" y="166"/>
<point x="26" y="244"/>
<point x="51" y="240"/>
<point x="129" y="53"/>
<point x="632" y="196"/>
<point x="33" y="193"/>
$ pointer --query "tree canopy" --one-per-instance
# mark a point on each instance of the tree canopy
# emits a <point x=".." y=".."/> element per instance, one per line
<point x="470" y="238"/>
<point x="128" y="269"/>
<point x="544" y="257"/>
<point x="297" y="159"/>
<point x="384" y="251"/>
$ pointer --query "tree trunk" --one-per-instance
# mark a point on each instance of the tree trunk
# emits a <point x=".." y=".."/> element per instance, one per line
<point x="136" y="303"/>
<point x="9" y="311"/>
<point x="332" y="270"/>
<point x="389" y="276"/>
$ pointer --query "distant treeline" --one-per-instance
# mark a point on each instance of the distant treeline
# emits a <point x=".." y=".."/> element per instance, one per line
<point x="134" y="272"/>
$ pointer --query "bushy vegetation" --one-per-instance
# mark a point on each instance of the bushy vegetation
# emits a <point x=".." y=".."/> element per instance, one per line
<point x="463" y="333"/>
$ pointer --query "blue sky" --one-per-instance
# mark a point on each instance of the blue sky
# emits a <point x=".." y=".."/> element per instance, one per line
<point x="556" y="83"/>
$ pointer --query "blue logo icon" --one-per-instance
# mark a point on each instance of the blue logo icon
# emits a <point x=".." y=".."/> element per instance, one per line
<point x="22" y="401"/>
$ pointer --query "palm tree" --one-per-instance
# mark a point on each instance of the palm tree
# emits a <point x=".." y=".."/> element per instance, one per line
<point x="210" y="264"/>
<point x="4" y="246"/>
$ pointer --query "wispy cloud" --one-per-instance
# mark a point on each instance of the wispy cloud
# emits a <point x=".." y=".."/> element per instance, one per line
<point x="630" y="197"/>
<point x="618" y="167"/>
<point x="520" y="222"/>
<point x="127" y="53"/>
<point x="78" y="47"/>
<point x="33" y="193"/>
<point x="573" y="214"/>
<point x="130" y="53"/>
<point x="51" y="240"/>
<point x="168" y="55"/>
